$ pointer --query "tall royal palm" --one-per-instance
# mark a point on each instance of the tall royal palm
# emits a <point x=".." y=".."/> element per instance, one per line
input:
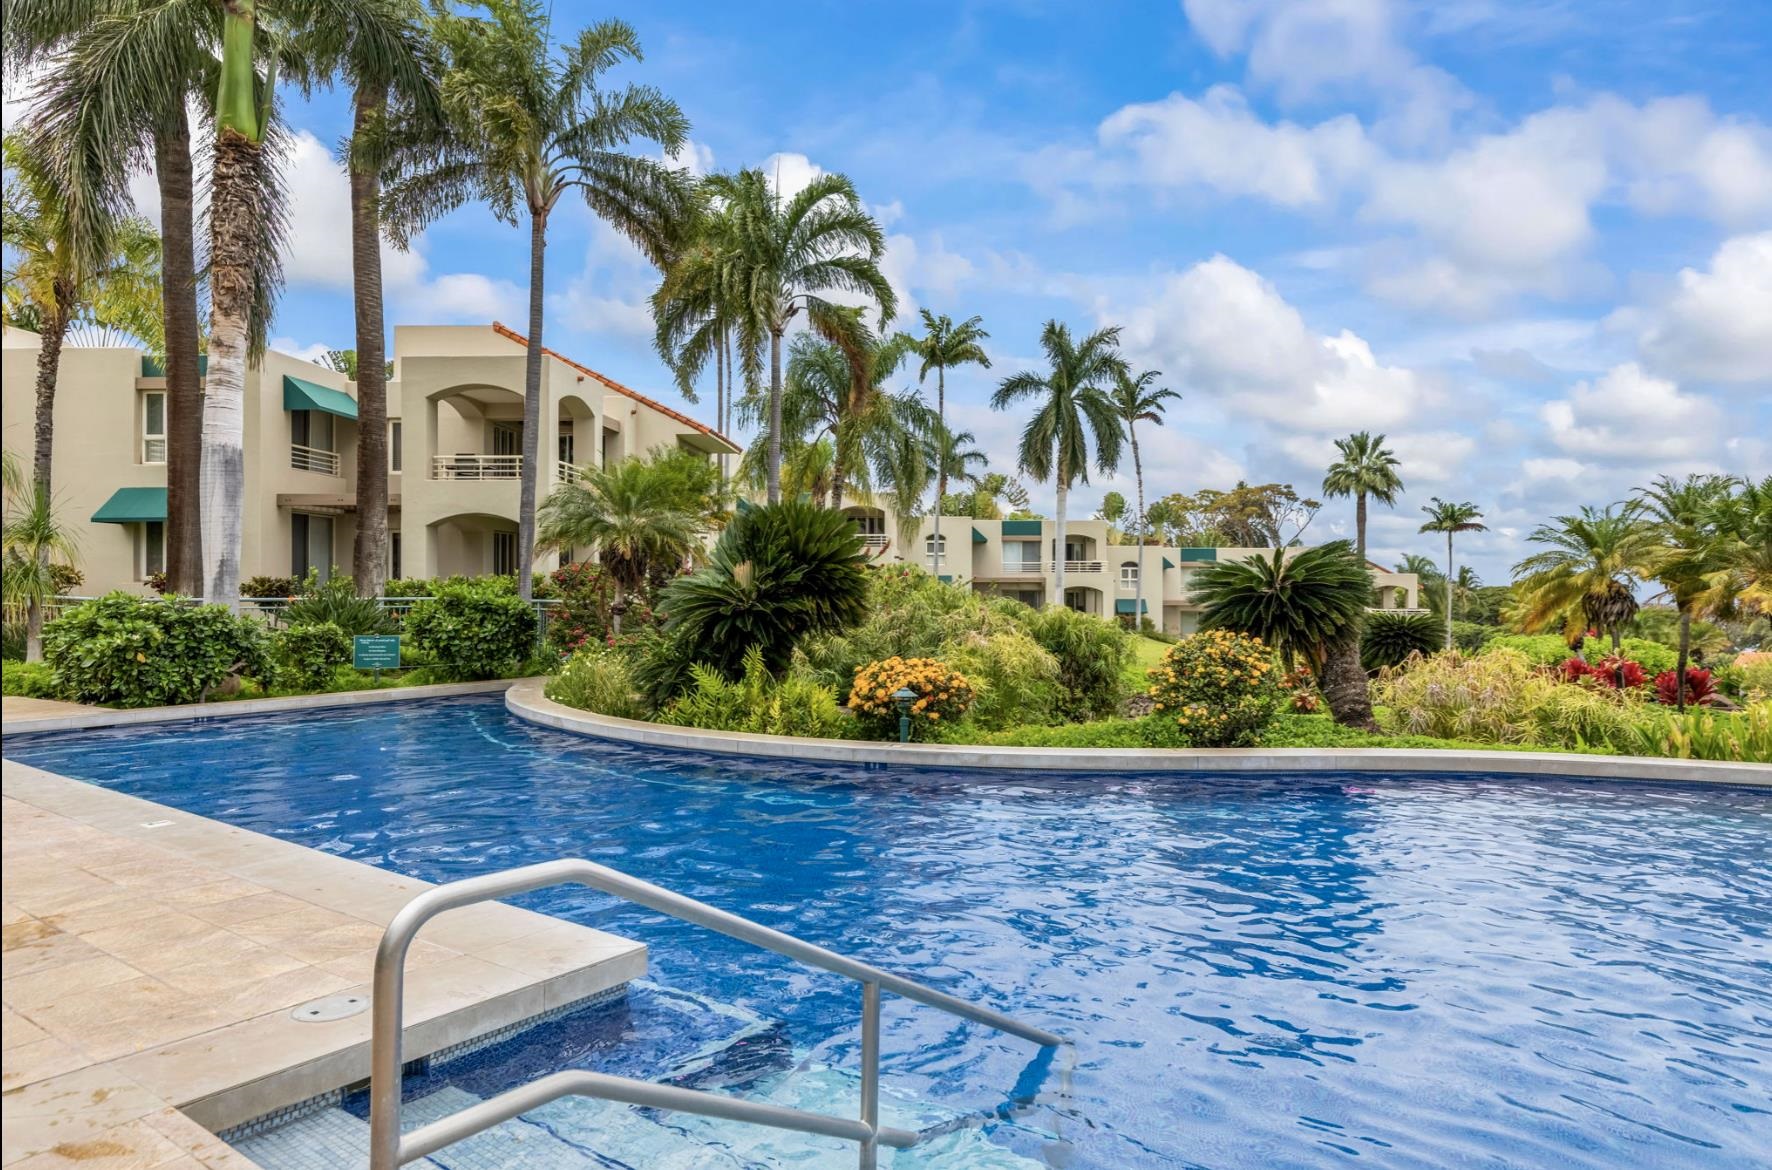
<point x="1366" y="469"/>
<point x="943" y="346"/>
<point x="1691" y="552"/>
<point x="1073" y="412"/>
<point x="526" y="125"/>
<point x="1585" y="576"/>
<point x="1450" y="517"/>
<point x="1138" y="399"/>
<point x="771" y="260"/>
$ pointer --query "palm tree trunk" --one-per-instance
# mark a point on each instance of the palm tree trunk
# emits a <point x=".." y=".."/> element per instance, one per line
<point x="184" y="387"/>
<point x="1448" y="590"/>
<point x="617" y="607"/>
<point x="1344" y="684"/>
<point x="369" y="557"/>
<point x="1684" y="659"/>
<point x="1138" y="481"/>
<point x="774" y="416"/>
<point x="720" y="398"/>
<point x="1360" y="525"/>
<point x="538" y="244"/>
<point x="1058" y="556"/>
<point x="236" y="207"/>
<point x="49" y="360"/>
<point x="941" y="458"/>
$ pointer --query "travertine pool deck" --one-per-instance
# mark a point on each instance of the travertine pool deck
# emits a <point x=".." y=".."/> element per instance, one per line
<point x="152" y="958"/>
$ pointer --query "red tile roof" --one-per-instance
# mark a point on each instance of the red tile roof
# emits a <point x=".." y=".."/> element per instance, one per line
<point x="512" y="335"/>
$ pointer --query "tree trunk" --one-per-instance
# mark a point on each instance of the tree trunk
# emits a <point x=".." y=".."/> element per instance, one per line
<point x="1684" y="659"/>
<point x="1343" y="683"/>
<point x="49" y="360"/>
<point x="369" y="558"/>
<point x="184" y="387"/>
<point x="33" y="630"/>
<point x="1360" y="526"/>
<point x="538" y="243"/>
<point x="720" y="398"/>
<point x="236" y="207"/>
<point x="617" y="607"/>
<point x="774" y="416"/>
<point x="1138" y="481"/>
<point x="1058" y="554"/>
<point x="941" y="459"/>
<point x="1448" y="599"/>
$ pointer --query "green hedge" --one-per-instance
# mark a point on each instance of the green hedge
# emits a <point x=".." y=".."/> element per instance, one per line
<point x="473" y="629"/>
<point x="145" y="652"/>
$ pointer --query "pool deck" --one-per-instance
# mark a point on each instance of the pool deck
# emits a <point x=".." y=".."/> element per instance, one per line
<point x="152" y="959"/>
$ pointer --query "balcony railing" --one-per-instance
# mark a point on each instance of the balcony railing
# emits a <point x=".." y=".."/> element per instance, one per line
<point x="313" y="459"/>
<point x="1082" y="566"/>
<point x="874" y="540"/>
<point x="1031" y="568"/>
<point x="476" y="466"/>
<point x="565" y="472"/>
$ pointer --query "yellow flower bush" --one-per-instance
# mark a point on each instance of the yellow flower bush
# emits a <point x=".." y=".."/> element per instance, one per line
<point x="943" y="695"/>
<point x="1215" y="689"/>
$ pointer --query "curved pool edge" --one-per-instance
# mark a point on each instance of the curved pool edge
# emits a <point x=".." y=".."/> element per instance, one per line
<point x="525" y="700"/>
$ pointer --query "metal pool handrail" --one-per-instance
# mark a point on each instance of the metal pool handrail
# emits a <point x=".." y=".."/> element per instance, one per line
<point x="388" y="1149"/>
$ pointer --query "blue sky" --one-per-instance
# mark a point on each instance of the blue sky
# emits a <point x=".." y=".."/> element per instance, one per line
<point x="1530" y="242"/>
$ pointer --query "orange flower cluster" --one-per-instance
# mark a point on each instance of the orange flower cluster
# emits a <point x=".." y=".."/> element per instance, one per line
<point x="1217" y="687"/>
<point x="942" y="694"/>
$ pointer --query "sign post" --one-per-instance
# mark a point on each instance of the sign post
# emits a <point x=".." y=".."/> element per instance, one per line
<point x="376" y="652"/>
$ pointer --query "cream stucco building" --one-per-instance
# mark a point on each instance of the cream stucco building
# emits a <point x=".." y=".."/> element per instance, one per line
<point x="456" y="421"/>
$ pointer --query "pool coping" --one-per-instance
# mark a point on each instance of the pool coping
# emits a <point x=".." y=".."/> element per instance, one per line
<point x="525" y="700"/>
<point x="94" y="717"/>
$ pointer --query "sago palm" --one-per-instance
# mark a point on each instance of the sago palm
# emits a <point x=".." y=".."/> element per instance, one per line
<point x="1309" y="606"/>
<point x="945" y="346"/>
<point x="526" y="124"/>
<point x="629" y="514"/>
<point x="1137" y="401"/>
<point x="1073" y="413"/>
<point x="1690" y="552"/>
<point x="1366" y="469"/>
<point x="1585" y="577"/>
<point x="1451" y="517"/>
<point x="771" y="260"/>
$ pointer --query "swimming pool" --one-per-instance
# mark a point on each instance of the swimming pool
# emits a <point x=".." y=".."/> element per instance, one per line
<point x="1274" y="972"/>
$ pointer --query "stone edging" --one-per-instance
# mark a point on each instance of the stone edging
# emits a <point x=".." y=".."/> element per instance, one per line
<point x="525" y="700"/>
<point x="130" y="716"/>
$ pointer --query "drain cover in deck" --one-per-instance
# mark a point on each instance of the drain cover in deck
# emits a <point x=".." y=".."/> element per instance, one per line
<point x="333" y="1007"/>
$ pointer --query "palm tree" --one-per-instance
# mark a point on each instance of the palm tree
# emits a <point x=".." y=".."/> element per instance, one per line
<point x="1309" y="605"/>
<point x="63" y="277"/>
<point x="1448" y="517"/>
<point x="525" y="126"/>
<point x="843" y="395"/>
<point x="630" y="514"/>
<point x="1585" y="577"/>
<point x="382" y="48"/>
<point x="1464" y="587"/>
<point x="956" y="456"/>
<point x="1136" y="402"/>
<point x="121" y="79"/>
<point x="1431" y="580"/>
<point x="769" y="261"/>
<point x="1366" y="468"/>
<point x="1745" y="518"/>
<point x="1075" y="411"/>
<point x="943" y="346"/>
<point x="1691" y="559"/>
<point x="33" y="541"/>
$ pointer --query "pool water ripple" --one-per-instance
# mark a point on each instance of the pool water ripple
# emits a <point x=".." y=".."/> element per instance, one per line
<point x="1261" y="972"/>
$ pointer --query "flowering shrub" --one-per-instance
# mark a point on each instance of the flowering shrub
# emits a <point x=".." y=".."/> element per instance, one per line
<point x="1216" y="689"/>
<point x="581" y="618"/>
<point x="1301" y="687"/>
<point x="943" y="695"/>
<point x="1699" y="687"/>
<point x="1607" y="672"/>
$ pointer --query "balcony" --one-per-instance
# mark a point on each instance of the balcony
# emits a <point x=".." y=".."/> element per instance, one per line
<point x="474" y="466"/>
<point x="1027" y="568"/>
<point x="313" y="459"/>
<point x="1083" y="566"/>
<point x="874" y="540"/>
<point x="565" y="472"/>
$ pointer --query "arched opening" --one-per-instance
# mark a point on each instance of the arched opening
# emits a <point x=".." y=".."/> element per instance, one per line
<point x="475" y="433"/>
<point x="1083" y="599"/>
<point x="473" y="544"/>
<point x="871" y="524"/>
<point x="1080" y="554"/>
<point x="576" y="440"/>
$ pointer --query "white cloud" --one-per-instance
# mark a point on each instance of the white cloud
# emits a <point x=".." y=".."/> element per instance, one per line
<point x="1627" y="416"/>
<point x="695" y="157"/>
<point x="1717" y="323"/>
<point x="294" y="348"/>
<point x="789" y="173"/>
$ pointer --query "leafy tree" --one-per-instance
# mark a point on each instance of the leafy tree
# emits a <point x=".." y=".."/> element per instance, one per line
<point x="1366" y="469"/>
<point x="1136" y="402"/>
<point x="1432" y="580"/>
<point x="771" y="260"/>
<point x="1690" y="560"/>
<point x="1309" y="605"/>
<point x="1586" y="576"/>
<point x="1113" y="508"/>
<point x="944" y="346"/>
<point x="1445" y="516"/>
<point x="634" y="513"/>
<point x="844" y="396"/>
<point x="1464" y="588"/>
<point x="33" y="544"/>
<point x="1745" y="518"/>
<point x="1073" y="413"/>
<point x="1267" y="515"/>
<point x="525" y="125"/>
<point x="986" y="500"/>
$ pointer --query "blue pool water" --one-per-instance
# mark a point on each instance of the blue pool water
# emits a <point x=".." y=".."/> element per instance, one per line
<point x="1260" y="973"/>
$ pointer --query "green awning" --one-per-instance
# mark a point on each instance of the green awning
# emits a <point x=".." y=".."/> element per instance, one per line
<point x="1022" y="527"/>
<point x="1199" y="554"/>
<point x="154" y="368"/>
<point x="1168" y="564"/>
<point x="1127" y="604"/>
<point x="135" y="505"/>
<point x="979" y="537"/>
<point x="301" y="394"/>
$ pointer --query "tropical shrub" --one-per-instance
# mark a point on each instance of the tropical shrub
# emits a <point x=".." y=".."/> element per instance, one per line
<point x="1390" y="638"/>
<point x="943" y="695"/>
<point x="306" y="655"/>
<point x="65" y="578"/>
<point x="582" y="615"/>
<point x="1699" y="687"/>
<point x="598" y="678"/>
<point x="1707" y="735"/>
<point x="1753" y="673"/>
<point x="1552" y="650"/>
<point x="1589" y="716"/>
<point x="270" y="587"/>
<point x="909" y="612"/>
<point x="778" y="573"/>
<point x="1216" y="689"/>
<point x="473" y="629"/>
<point x="408" y="587"/>
<point x="1301" y="689"/>
<point x="1607" y="672"/>
<point x="335" y="602"/>
<point x="1485" y="697"/>
<point x="756" y="702"/>
<point x="1016" y="681"/>
<point x="32" y="680"/>
<point x="1471" y="636"/>
<point x="143" y="652"/>
<point x="1092" y="658"/>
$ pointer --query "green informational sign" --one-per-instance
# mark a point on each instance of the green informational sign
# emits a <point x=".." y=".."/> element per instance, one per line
<point x="375" y="652"/>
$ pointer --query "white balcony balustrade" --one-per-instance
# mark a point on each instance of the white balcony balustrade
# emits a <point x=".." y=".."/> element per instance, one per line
<point x="313" y="459"/>
<point x="1082" y="566"/>
<point x="874" y="540"/>
<point x="565" y="472"/>
<point x="476" y="466"/>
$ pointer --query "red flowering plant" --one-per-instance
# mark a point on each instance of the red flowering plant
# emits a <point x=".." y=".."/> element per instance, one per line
<point x="1699" y="687"/>
<point x="1613" y="671"/>
<point x="581" y="615"/>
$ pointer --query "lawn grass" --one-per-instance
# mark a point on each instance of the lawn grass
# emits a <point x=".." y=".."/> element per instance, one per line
<point x="1287" y="731"/>
<point x="1146" y="653"/>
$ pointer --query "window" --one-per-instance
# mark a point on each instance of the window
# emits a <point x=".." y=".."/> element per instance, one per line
<point x="1129" y="575"/>
<point x="310" y="545"/>
<point x="936" y="548"/>
<point x="153" y="548"/>
<point x="504" y="554"/>
<point x="1021" y="556"/>
<point x="566" y="447"/>
<point x="311" y="428"/>
<point x="394" y="553"/>
<point x="394" y="446"/>
<point x="507" y="438"/>
<point x="154" y="427"/>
